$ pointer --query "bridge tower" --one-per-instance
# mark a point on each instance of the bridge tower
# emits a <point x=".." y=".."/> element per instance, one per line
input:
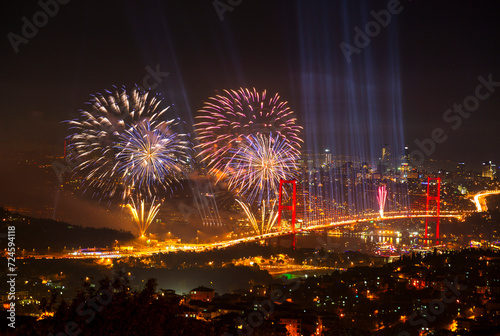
<point x="292" y="207"/>
<point x="433" y="196"/>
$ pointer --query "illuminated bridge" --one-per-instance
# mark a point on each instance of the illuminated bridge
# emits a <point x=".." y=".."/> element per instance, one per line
<point x="312" y="226"/>
<point x="346" y="221"/>
<point x="431" y="213"/>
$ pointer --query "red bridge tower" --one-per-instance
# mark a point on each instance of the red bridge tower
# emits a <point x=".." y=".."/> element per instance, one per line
<point x="292" y="207"/>
<point x="431" y="197"/>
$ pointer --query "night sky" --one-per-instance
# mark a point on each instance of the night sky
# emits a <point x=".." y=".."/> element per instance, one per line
<point x="395" y="90"/>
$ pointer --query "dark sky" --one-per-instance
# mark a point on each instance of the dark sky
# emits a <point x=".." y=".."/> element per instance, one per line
<point x="395" y="90"/>
<point x="89" y="46"/>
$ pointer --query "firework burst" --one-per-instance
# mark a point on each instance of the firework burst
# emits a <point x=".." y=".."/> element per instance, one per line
<point x="255" y="169"/>
<point x="123" y="148"/>
<point x="97" y="130"/>
<point x="226" y="119"/>
<point x="150" y="157"/>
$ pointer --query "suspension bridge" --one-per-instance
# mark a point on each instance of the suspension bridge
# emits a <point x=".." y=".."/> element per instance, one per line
<point x="433" y="213"/>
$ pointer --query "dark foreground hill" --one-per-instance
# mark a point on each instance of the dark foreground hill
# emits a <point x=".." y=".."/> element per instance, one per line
<point x="42" y="233"/>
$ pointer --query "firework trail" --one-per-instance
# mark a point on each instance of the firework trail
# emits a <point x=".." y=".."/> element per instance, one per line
<point x="381" y="198"/>
<point x="143" y="217"/>
<point x="227" y="118"/>
<point x="266" y="222"/>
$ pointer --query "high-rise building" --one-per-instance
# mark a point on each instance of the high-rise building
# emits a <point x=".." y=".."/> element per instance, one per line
<point x="328" y="157"/>
<point x="404" y="169"/>
<point x="406" y="155"/>
<point x="386" y="153"/>
<point x="488" y="169"/>
<point x="385" y="160"/>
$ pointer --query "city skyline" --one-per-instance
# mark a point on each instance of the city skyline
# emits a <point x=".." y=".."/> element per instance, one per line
<point x="229" y="167"/>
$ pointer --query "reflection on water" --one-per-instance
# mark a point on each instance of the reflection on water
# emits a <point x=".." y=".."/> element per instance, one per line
<point x="352" y="242"/>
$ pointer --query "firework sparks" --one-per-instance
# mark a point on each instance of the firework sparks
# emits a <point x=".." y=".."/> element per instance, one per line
<point x="98" y="130"/>
<point x="143" y="217"/>
<point x="381" y="198"/>
<point x="151" y="156"/>
<point x="255" y="169"/>
<point x="123" y="148"/>
<point x="267" y="220"/>
<point x="226" y="119"/>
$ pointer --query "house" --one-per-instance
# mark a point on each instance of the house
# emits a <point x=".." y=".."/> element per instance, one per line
<point x="202" y="293"/>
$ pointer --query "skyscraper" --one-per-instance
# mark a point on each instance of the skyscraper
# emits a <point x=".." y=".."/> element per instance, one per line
<point x="385" y="160"/>
<point x="488" y="169"/>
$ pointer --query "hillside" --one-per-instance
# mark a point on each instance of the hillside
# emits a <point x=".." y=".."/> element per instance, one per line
<point x="42" y="233"/>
